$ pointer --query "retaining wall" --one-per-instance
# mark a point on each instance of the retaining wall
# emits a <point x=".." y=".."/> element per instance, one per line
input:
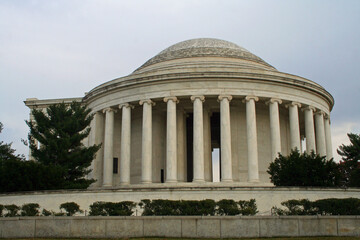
<point x="266" y="197"/>
<point x="192" y="227"/>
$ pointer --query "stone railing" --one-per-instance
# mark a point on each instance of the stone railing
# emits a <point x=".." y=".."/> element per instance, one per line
<point x="185" y="226"/>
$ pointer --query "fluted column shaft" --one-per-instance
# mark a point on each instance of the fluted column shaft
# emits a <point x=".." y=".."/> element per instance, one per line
<point x="108" y="147"/>
<point x="309" y="129"/>
<point x="125" y="149"/>
<point x="225" y="132"/>
<point x="329" y="153"/>
<point x="171" y="141"/>
<point x="146" y="157"/>
<point x="253" y="165"/>
<point x="275" y="127"/>
<point x="198" y="141"/>
<point x="294" y="125"/>
<point x="320" y="133"/>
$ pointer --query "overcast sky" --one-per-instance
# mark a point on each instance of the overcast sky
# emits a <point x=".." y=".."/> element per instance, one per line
<point x="59" y="49"/>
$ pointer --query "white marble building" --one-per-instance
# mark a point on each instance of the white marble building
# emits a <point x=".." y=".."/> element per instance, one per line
<point x="162" y="122"/>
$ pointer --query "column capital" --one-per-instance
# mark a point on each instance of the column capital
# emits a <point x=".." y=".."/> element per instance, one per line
<point x="148" y="101"/>
<point x="126" y="105"/>
<point x="221" y="97"/>
<point x="291" y="104"/>
<point x="201" y="97"/>
<point x="109" y="109"/>
<point x="273" y="100"/>
<point x="327" y="116"/>
<point x="250" y="97"/>
<point x="320" y="112"/>
<point x="308" y="108"/>
<point x="172" y="98"/>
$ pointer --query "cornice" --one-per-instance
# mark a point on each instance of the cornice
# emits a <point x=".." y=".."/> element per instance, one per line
<point x="132" y="81"/>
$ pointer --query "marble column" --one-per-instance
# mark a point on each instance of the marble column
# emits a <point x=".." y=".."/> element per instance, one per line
<point x="198" y="139"/>
<point x="320" y="133"/>
<point x="294" y="125"/>
<point x="309" y="129"/>
<point x="275" y="135"/>
<point x="253" y="165"/>
<point x="329" y="153"/>
<point x="146" y="153"/>
<point x="97" y="137"/>
<point x="171" y="140"/>
<point x="125" y="148"/>
<point x="225" y="132"/>
<point x="181" y="145"/>
<point x="108" y="147"/>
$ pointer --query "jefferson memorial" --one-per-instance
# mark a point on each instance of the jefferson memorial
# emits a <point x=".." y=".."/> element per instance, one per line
<point x="160" y="125"/>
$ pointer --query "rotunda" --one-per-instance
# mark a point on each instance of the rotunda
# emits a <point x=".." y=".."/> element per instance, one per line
<point x="161" y="123"/>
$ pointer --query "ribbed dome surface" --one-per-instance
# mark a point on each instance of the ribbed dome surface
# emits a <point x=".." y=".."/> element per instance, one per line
<point x="203" y="47"/>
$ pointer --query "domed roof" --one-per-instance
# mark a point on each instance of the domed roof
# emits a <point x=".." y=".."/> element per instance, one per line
<point x="203" y="47"/>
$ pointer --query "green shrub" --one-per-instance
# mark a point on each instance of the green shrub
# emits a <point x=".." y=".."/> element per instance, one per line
<point x="304" y="170"/>
<point x="1" y="210"/>
<point x="160" y="207"/>
<point x="334" y="206"/>
<point x="248" y="207"/>
<point x="46" y="212"/>
<point x="125" y="208"/>
<point x="205" y="207"/>
<point x="329" y="206"/>
<point x="227" y="207"/>
<point x="12" y="210"/>
<point x="297" y="207"/>
<point x="70" y="208"/>
<point x="30" y="209"/>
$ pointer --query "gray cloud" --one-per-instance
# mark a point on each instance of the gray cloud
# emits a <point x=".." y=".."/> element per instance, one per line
<point x="55" y="49"/>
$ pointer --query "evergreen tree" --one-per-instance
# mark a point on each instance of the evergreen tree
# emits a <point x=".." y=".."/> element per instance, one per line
<point x="6" y="152"/>
<point x="60" y="132"/>
<point x="304" y="170"/>
<point x="350" y="166"/>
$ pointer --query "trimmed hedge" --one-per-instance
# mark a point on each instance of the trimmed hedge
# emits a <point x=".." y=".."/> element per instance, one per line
<point x="329" y="206"/>
<point x="70" y="208"/>
<point x="161" y="207"/>
<point x="125" y="208"/>
<point x="30" y="209"/>
<point x="206" y="207"/>
<point x="228" y="207"/>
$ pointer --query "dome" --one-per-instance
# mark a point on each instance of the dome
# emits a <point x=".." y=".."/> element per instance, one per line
<point x="204" y="47"/>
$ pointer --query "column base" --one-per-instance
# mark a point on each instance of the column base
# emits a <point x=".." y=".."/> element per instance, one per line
<point x="254" y="181"/>
<point x="124" y="183"/>
<point x="107" y="185"/>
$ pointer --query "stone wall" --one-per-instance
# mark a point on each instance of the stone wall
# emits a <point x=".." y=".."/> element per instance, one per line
<point x="192" y="227"/>
<point x="266" y="197"/>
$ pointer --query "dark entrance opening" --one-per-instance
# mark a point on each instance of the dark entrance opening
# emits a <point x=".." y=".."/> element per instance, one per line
<point x="189" y="146"/>
<point x="215" y="145"/>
